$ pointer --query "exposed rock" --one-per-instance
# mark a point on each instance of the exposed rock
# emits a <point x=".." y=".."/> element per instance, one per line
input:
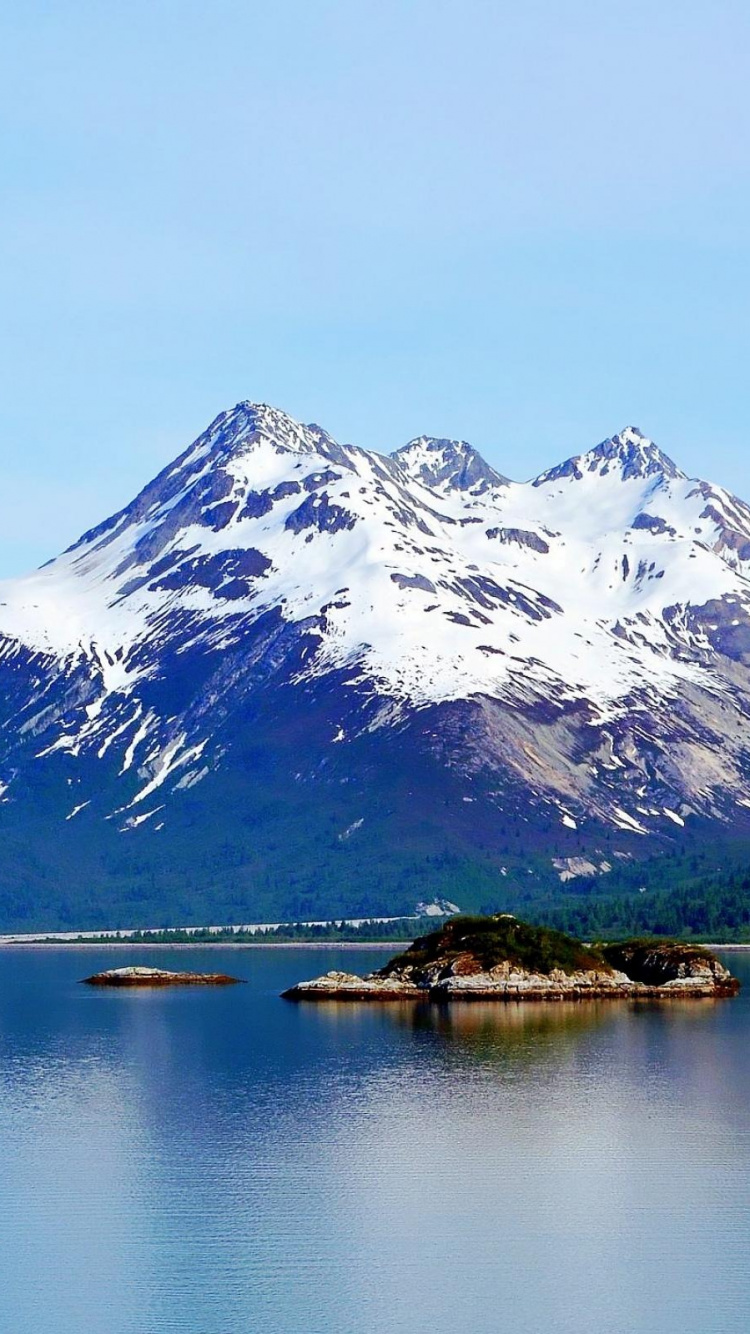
<point x="630" y="452"/>
<point x="660" y="963"/>
<point x="413" y="581"/>
<point x="321" y="513"/>
<point x="652" y="523"/>
<point x="448" y="465"/>
<point x="349" y="986"/>
<point x="500" y="958"/>
<point x="219" y="572"/>
<point x="521" y="537"/>
<point x="135" y="976"/>
<point x="505" y="707"/>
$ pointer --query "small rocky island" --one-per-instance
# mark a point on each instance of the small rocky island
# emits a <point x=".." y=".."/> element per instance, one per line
<point x="134" y="976"/>
<point x="502" y="958"/>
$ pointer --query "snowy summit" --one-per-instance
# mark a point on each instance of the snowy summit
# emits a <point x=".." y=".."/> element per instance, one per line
<point x="577" y="642"/>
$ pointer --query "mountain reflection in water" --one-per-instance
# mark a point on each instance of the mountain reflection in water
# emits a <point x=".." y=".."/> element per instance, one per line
<point x="221" y="1161"/>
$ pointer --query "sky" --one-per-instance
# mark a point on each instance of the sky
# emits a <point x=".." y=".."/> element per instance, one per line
<point x="521" y="225"/>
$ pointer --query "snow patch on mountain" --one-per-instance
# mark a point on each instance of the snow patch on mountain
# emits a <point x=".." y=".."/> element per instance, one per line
<point x="429" y="587"/>
<point x="609" y="587"/>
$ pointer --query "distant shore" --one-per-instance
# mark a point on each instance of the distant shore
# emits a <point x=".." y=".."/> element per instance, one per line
<point x="50" y="942"/>
<point x="732" y="945"/>
<point x="68" y="941"/>
<point x="356" y="931"/>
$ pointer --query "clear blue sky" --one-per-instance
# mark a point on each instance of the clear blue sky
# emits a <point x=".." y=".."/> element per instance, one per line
<point x="522" y="224"/>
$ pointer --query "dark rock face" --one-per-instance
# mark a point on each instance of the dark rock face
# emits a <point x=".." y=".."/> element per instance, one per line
<point x="486" y="592"/>
<point x="520" y="537"/>
<point x="726" y="626"/>
<point x="205" y="504"/>
<point x="651" y="523"/>
<point x="206" y="744"/>
<point x="317" y="479"/>
<point x="453" y="465"/>
<point x="257" y="503"/>
<point x="226" y="573"/>
<point x="629" y="451"/>
<point x="321" y="513"/>
<point x="413" y="581"/>
<point x="656" y="963"/>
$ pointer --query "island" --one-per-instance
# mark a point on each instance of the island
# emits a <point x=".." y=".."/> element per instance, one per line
<point x="135" y="976"/>
<point x="503" y="958"/>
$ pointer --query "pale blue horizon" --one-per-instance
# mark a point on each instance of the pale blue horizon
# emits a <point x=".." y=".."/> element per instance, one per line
<point x="525" y="229"/>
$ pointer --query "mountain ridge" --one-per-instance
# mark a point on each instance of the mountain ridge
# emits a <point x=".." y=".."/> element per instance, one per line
<point x="569" y="652"/>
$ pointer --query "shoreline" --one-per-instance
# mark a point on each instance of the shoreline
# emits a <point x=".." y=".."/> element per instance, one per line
<point x="229" y="933"/>
<point x="65" y="940"/>
<point x="711" y="945"/>
<point x="203" y="944"/>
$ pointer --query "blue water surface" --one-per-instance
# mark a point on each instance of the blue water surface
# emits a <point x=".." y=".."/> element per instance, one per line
<point x="225" y="1162"/>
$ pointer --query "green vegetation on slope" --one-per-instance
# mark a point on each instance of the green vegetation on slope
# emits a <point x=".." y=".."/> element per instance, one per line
<point x="715" y="908"/>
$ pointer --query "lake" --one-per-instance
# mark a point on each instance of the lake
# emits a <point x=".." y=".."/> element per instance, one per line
<point x="225" y="1162"/>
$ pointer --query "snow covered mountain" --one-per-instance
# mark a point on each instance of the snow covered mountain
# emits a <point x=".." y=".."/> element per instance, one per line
<point x="308" y="678"/>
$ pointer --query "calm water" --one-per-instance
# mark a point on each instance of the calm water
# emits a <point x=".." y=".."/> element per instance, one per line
<point x="222" y="1161"/>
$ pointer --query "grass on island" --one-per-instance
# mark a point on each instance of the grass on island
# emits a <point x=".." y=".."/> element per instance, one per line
<point x="493" y="940"/>
<point x="621" y="953"/>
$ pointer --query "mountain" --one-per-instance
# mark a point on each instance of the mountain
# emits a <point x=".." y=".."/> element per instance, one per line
<point x="296" y="679"/>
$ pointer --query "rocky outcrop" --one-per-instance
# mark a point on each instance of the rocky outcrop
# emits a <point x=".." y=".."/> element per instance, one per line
<point x="157" y="977"/>
<point x="668" y="963"/>
<point x="498" y="984"/>
<point x="349" y="986"/>
<point x="500" y="958"/>
<point x="521" y="537"/>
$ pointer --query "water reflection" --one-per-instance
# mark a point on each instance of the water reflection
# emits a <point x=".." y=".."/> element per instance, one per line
<point x="506" y="1020"/>
<point x="468" y="1018"/>
<point x="223" y="1161"/>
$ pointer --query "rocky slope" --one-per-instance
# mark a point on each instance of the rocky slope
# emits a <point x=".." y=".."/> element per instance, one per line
<point x="295" y="678"/>
<point x="501" y="958"/>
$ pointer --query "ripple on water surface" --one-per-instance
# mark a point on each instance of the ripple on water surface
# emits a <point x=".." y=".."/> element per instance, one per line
<point x="220" y="1161"/>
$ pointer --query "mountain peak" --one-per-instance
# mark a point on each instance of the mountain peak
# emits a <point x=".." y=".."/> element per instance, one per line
<point x="247" y="422"/>
<point x="276" y="613"/>
<point x="447" y="465"/>
<point x="639" y="456"/>
<point x="628" y="454"/>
